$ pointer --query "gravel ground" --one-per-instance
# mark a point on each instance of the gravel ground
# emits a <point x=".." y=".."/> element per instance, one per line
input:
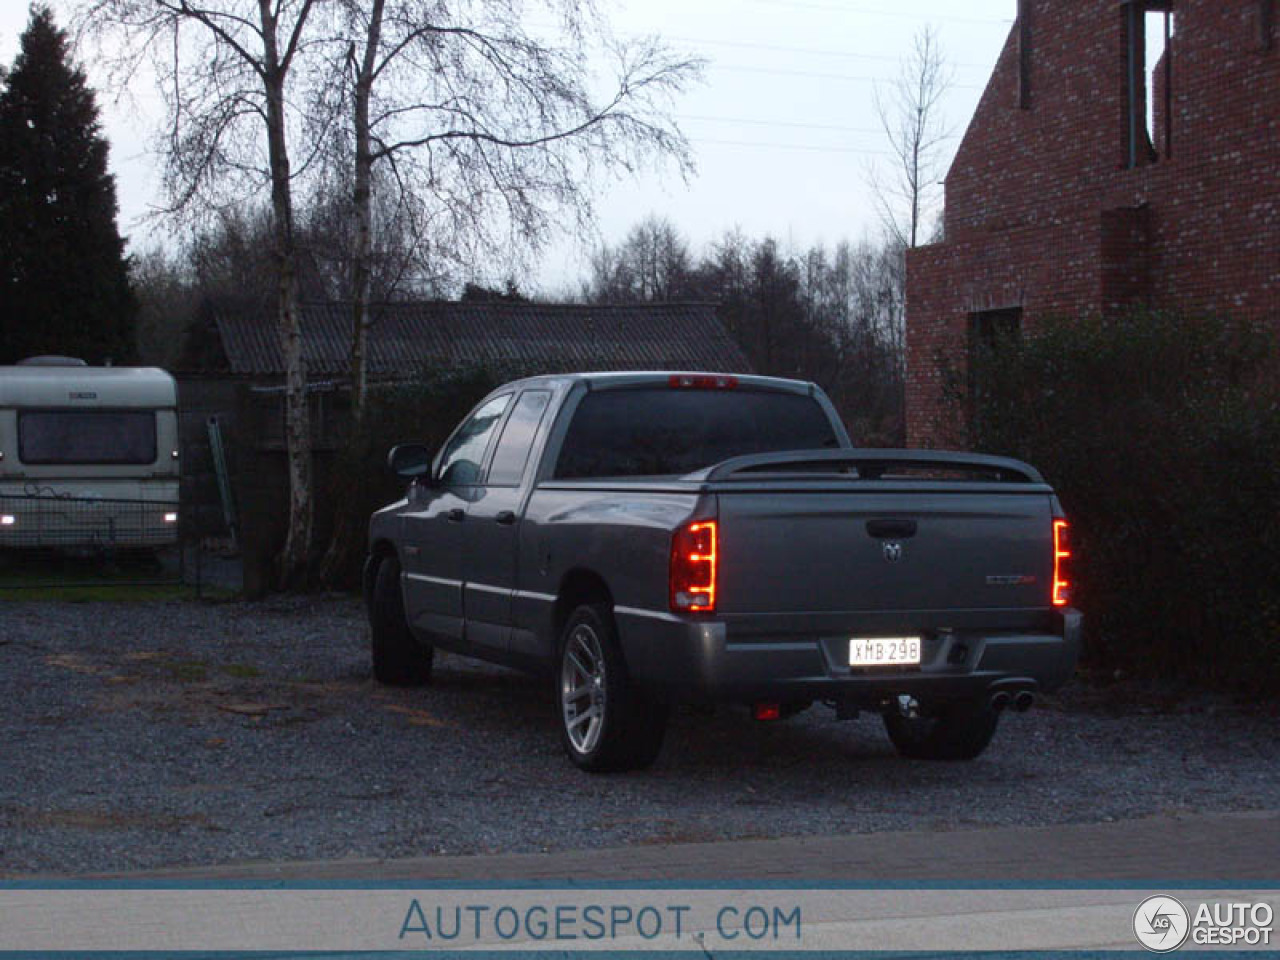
<point x="143" y="735"/>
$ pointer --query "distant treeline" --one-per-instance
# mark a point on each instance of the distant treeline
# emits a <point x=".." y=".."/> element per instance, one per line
<point x="831" y="316"/>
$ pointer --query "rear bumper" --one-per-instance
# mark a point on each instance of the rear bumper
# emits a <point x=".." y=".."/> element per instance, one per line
<point x="699" y="660"/>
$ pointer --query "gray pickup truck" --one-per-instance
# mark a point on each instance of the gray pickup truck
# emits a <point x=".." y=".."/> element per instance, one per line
<point x="648" y="538"/>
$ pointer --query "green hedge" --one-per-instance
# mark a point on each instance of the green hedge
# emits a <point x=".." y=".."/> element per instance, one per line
<point x="1162" y="436"/>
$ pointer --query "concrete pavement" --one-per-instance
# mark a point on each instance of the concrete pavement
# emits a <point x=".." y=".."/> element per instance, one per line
<point x="1221" y="848"/>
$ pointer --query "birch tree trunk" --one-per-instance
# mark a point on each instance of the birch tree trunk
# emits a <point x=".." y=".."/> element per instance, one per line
<point x="297" y="426"/>
<point x="362" y="196"/>
<point x="344" y="538"/>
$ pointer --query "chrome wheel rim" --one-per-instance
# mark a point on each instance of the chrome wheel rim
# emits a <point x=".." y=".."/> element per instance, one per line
<point x="582" y="688"/>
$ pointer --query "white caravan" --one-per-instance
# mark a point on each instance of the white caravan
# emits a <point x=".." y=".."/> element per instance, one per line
<point x="88" y="455"/>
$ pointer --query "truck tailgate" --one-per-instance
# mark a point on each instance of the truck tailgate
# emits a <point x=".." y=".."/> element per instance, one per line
<point x="840" y="550"/>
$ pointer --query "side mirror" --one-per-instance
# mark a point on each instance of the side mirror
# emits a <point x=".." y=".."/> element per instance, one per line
<point x="410" y="460"/>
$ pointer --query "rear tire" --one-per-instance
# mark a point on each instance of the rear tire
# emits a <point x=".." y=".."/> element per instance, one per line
<point x="958" y="731"/>
<point x="399" y="660"/>
<point x="606" y="724"/>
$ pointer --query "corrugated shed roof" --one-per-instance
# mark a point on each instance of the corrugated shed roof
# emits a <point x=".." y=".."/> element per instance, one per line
<point x="407" y="338"/>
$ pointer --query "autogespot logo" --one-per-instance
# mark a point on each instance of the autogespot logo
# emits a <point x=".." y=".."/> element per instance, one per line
<point x="1161" y="924"/>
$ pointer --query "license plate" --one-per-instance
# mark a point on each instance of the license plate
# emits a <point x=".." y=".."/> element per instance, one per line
<point x="884" y="651"/>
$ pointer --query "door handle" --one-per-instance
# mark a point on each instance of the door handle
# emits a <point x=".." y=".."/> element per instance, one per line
<point x="506" y="517"/>
<point x="456" y="515"/>
<point x="891" y="529"/>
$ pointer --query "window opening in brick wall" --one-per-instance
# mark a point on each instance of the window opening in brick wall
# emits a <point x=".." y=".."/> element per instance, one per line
<point x="1149" y="30"/>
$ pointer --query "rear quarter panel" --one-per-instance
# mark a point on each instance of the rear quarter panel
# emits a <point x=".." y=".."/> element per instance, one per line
<point x="622" y="537"/>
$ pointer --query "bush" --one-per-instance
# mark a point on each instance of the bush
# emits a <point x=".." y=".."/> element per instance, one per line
<point x="1161" y="435"/>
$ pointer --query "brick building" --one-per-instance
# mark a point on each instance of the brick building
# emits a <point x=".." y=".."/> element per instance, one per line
<point x="1123" y="154"/>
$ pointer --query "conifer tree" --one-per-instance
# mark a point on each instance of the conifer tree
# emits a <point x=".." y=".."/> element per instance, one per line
<point x="64" y="278"/>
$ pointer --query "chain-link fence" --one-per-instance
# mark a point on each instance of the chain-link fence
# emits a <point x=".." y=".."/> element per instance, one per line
<point x="61" y="540"/>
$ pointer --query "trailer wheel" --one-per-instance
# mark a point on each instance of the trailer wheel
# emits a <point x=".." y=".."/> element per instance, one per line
<point x="959" y="731"/>
<point x="606" y="723"/>
<point x="399" y="659"/>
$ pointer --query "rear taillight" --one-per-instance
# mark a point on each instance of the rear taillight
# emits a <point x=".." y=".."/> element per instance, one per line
<point x="693" y="568"/>
<point x="1061" y="564"/>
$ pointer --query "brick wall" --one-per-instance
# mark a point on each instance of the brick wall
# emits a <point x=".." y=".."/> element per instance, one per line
<point x="1043" y="213"/>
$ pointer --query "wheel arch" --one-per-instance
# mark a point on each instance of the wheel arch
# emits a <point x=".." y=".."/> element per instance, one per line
<point x="578" y="586"/>
<point x="634" y="722"/>
<point x="379" y="551"/>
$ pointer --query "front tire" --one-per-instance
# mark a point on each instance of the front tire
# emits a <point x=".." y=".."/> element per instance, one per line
<point x="606" y="724"/>
<point x="399" y="660"/>
<point x="958" y="731"/>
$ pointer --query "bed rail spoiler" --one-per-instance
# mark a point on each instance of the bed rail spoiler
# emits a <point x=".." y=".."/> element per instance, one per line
<point x="871" y="464"/>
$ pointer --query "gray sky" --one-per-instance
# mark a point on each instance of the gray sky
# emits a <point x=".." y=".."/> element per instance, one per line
<point x="782" y="129"/>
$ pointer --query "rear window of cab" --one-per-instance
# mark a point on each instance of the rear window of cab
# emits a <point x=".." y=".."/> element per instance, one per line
<point x="658" y="431"/>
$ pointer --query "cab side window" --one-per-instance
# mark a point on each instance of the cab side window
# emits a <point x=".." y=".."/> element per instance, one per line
<point x="512" y="455"/>
<point x="463" y="457"/>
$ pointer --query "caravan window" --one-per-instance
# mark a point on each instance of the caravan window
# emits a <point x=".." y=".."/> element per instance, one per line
<point x="87" y="436"/>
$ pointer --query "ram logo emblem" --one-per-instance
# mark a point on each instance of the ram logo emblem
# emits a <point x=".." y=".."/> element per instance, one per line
<point x="892" y="551"/>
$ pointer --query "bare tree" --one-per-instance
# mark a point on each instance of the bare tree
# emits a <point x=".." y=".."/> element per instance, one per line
<point x="327" y="227"/>
<point x="166" y="306"/>
<point x="910" y="111"/>
<point x="653" y="263"/>
<point x="490" y="129"/>
<point x="223" y="68"/>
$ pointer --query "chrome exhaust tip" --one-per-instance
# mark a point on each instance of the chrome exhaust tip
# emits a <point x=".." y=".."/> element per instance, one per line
<point x="1023" y="701"/>
<point x="999" y="701"/>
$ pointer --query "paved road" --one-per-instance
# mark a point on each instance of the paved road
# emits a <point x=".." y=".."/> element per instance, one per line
<point x="1226" y="849"/>
<point x="1223" y="855"/>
